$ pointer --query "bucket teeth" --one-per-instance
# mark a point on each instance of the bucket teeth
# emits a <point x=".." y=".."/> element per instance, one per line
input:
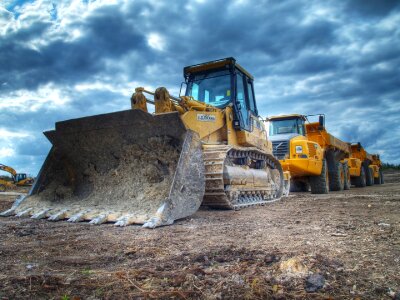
<point x="58" y="216"/>
<point x="41" y="214"/>
<point x="80" y="216"/>
<point x="24" y="213"/>
<point x="12" y="210"/>
<point x="152" y="223"/>
<point x="8" y="212"/>
<point x="123" y="221"/>
<point x="99" y="220"/>
<point x="156" y="221"/>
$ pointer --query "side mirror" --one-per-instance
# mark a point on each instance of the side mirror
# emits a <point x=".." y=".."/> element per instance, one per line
<point x="321" y="121"/>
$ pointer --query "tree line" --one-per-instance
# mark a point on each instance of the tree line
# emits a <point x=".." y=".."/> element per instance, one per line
<point x="387" y="166"/>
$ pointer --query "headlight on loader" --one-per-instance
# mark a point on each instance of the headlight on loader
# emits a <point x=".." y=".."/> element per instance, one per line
<point x="299" y="149"/>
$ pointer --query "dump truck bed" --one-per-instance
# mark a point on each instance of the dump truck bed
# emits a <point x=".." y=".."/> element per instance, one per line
<point x="358" y="151"/>
<point x="325" y="139"/>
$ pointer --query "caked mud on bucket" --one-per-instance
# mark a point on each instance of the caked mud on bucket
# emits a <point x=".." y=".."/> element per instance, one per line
<point x="125" y="167"/>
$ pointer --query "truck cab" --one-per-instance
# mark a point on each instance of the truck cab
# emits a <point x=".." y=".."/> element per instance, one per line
<point x="289" y="141"/>
<point x="282" y="129"/>
<point x="297" y="154"/>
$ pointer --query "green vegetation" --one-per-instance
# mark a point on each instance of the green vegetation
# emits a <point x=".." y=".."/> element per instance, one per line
<point x="86" y="271"/>
<point x="388" y="166"/>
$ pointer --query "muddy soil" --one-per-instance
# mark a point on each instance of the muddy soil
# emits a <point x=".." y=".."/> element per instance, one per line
<point x="345" y="245"/>
<point x="151" y="169"/>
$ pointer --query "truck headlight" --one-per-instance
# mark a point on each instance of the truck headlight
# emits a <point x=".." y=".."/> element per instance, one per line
<point x="299" y="149"/>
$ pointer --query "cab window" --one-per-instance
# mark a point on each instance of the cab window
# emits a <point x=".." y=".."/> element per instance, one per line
<point x="251" y="96"/>
<point x="241" y="102"/>
<point x="213" y="88"/>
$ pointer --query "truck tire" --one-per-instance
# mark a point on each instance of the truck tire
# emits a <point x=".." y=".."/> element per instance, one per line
<point x="320" y="184"/>
<point x="381" y="176"/>
<point x="2" y="188"/>
<point x="336" y="177"/>
<point x="298" y="186"/>
<point x="360" y="181"/>
<point x="306" y="186"/>
<point x="347" y="181"/>
<point x="369" y="176"/>
<point x="378" y="179"/>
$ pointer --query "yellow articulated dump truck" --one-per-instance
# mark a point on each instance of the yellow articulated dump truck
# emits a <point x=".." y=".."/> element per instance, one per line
<point x="376" y="167"/>
<point x="207" y="147"/>
<point x="365" y="169"/>
<point x="315" y="159"/>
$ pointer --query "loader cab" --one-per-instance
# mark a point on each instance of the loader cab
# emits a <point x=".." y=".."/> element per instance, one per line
<point x="287" y="125"/>
<point x="222" y="83"/>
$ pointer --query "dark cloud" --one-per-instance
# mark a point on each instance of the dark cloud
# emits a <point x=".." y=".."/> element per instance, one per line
<point x="314" y="64"/>
<point x="368" y="8"/>
<point x="106" y="36"/>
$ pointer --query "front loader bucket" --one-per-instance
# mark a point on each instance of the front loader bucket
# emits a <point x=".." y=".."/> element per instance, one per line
<point x="128" y="167"/>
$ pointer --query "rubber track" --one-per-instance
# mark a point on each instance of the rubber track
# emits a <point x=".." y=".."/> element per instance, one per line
<point x="216" y="196"/>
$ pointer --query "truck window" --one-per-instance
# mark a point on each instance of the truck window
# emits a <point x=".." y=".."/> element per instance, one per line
<point x="286" y="126"/>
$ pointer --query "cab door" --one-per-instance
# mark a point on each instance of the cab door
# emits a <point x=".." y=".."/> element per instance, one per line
<point x="242" y="107"/>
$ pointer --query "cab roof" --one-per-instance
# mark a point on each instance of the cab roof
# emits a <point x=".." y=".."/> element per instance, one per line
<point x="285" y="117"/>
<point x="214" y="65"/>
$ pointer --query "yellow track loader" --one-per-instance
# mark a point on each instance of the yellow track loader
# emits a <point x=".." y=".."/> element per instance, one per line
<point x="130" y="167"/>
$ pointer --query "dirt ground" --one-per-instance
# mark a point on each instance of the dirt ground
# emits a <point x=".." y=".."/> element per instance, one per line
<point x="345" y="245"/>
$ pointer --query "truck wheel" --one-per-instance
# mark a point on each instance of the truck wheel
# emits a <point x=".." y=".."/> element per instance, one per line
<point x="2" y="188"/>
<point x="306" y="187"/>
<point x="381" y="176"/>
<point x="360" y="181"/>
<point x="378" y="179"/>
<point x="347" y="182"/>
<point x="298" y="186"/>
<point x="336" y="177"/>
<point x="369" y="176"/>
<point x="320" y="184"/>
<point x="294" y="186"/>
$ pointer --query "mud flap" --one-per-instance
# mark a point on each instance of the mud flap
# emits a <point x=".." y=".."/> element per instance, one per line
<point x="286" y="184"/>
<point x="128" y="167"/>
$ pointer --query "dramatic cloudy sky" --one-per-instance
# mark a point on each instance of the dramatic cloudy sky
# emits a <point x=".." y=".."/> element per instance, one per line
<point x="65" y="59"/>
